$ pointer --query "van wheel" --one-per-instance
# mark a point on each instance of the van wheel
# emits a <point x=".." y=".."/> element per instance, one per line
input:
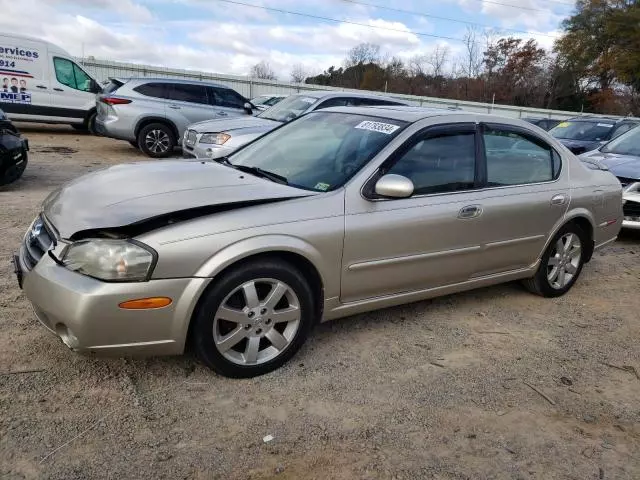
<point x="254" y="319"/>
<point x="90" y="123"/>
<point x="561" y="263"/>
<point x="156" y="140"/>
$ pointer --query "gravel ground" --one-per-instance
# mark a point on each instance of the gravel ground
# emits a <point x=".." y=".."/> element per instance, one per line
<point x="491" y="384"/>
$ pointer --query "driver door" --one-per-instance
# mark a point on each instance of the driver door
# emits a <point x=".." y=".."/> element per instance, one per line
<point x="431" y="239"/>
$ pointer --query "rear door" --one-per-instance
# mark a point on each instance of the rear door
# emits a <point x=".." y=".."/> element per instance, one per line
<point x="226" y="102"/>
<point x="189" y="103"/>
<point x="73" y="91"/>
<point x="526" y="195"/>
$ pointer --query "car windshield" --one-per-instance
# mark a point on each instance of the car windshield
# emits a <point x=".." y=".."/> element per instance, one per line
<point x="626" y="144"/>
<point x="289" y="108"/>
<point x="263" y="100"/>
<point x="319" y="151"/>
<point x="586" y="130"/>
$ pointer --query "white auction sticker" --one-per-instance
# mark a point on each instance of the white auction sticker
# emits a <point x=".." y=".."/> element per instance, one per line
<point x="608" y="125"/>
<point x="386" y="128"/>
<point x="308" y="99"/>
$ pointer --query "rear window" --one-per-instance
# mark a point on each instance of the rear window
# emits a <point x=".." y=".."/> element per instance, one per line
<point x="156" y="90"/>
<point x="585" y="130"/>
<point x="112" y="86"/>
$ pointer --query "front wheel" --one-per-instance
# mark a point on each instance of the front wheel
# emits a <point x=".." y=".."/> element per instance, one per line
<point x="156" y="140"/>
<point x="561" y="263"/>
<point x="254" y="319"/>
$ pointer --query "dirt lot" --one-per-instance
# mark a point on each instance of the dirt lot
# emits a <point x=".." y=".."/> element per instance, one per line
<point x="495" y="383"/>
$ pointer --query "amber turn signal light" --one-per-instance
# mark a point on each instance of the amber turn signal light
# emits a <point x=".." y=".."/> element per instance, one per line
<point x="146" y="303"/>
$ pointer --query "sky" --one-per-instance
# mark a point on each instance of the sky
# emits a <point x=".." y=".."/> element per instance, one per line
<point x="225" y="36"/>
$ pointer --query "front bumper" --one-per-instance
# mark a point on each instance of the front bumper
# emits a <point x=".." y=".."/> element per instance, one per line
<point x="205" y="151"/>
<point x="84" y="312"/>
<point x="631" y="207"/>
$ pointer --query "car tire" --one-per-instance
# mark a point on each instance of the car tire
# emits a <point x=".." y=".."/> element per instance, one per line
<point x="134" y="145"/>
<point x="239" y="332"/>
<point x="90" y="123"/>
<point x="14" y="172"/>
<point x="156" y="140"/>
<point x="561" y="263"/>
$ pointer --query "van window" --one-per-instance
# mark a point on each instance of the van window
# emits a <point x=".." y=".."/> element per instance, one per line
<point x="71" y="75"/>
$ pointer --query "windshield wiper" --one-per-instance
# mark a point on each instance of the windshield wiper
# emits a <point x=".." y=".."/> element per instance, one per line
<point x="258" y="172"/>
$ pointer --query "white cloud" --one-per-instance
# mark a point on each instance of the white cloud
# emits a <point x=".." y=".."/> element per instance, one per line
<point x="532" y="14"/>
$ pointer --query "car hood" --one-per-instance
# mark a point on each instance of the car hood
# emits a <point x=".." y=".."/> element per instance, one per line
<point x="228" y="125"/>
<point x="579" y="146"/>
<point x="625" y="166"/>
<point x="128" y="194"/>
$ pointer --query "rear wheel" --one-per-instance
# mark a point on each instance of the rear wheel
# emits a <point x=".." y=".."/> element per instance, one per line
<point x="254" y="319"/>
<point x="156" y="140"/>
<point x="561" y="263"/>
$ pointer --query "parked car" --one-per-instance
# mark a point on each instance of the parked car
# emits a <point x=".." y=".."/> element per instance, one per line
<point x="153" y="113"/>
<point x="622" y="157"/>
<point x="13" y="151"/>
<point x="583" y="134"/>
<point x="262" y="102"/>
<point x="543" y="123"/>
<point x="43" y="83"/>
<point x="218" y="138"/>
<point x="336" y="213"/>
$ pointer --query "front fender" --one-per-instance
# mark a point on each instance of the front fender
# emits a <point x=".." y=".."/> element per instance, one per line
<point x="261" y="244"/>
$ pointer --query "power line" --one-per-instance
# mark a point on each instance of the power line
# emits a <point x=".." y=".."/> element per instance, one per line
<point x="427" y="15"/>
<point x="521" y="7"/>
<point x="349" y="22"/>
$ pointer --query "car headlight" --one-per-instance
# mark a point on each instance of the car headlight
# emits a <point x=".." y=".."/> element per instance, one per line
<point x="110" y="260"/>
<point x="215" y="138"/>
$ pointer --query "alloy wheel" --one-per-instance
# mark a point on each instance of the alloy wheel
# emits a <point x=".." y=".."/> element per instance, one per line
<point x="256" y="322"/>
<point x="157" y="141"/>
<point x="564" y="261"/>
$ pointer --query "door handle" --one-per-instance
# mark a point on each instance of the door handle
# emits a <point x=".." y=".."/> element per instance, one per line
<point x="223" y="114"/>
<point x="42" y="87"/>
<point x="58" y="90"/>
<point x="558" y="199"/>
<point x="470" y="211"/>
<point x="175" y="107"/>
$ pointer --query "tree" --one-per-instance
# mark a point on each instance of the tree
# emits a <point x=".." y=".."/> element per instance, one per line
<point x="299" y="73"/>
<point x="263" y="70"/>
<point x="362" y="54"/>
<point x="438" y="59"/>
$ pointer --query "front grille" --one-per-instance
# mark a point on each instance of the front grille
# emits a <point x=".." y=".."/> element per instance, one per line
<point x="37" y="242"/>
<point x="192" y="136"/>
<point x="631" y="209"/>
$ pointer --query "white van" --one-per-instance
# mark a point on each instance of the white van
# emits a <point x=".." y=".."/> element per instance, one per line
<point x="40" y="82"/>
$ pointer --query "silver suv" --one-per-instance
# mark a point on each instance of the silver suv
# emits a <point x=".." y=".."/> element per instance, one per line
<point x="219" y="137"/>
<point x="152" y="114"/>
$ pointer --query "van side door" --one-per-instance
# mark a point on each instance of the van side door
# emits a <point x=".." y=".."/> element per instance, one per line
<point x="73" y="91"/>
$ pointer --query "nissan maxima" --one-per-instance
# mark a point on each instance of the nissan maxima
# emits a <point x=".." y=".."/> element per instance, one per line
<point x="338" y="212"/>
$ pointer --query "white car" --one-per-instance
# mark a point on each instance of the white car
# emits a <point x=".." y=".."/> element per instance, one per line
<point x="40" y="82"/>
<point x="262" y="102"/>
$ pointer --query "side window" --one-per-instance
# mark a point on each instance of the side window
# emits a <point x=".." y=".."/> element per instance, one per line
<point x="444" y="163"/>
<point x="156" y="90"/>
<point x="71" y="75"/>
<point x="225" y="97"/>
<point x="374" y="101"/>
<point x="333" y="102"/>
<point x="184" y="92"/>
<point x="516" y="159"/>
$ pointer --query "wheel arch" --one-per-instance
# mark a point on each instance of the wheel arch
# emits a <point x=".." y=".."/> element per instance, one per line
<point x="584" y="219"/>
<point x="143" y="122"/>
<point x="291" y="250"/>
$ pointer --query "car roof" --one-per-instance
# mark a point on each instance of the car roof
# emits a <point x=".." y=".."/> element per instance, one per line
<point x="589" y="118"/>
<point x="405" y="113"/>
<point x="332" y="93"/>
<point x="172" y="80"/>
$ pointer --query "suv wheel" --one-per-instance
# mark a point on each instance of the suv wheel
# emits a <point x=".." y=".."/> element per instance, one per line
<point x="561" y="263"/>
<point x="156" y="140"/>
<point x="254" y="319"/>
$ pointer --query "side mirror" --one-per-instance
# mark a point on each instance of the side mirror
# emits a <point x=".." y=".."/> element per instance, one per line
<point x="95" y="87"/>
<point x="394" y="186"/>
<point x="248" y="107"/>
